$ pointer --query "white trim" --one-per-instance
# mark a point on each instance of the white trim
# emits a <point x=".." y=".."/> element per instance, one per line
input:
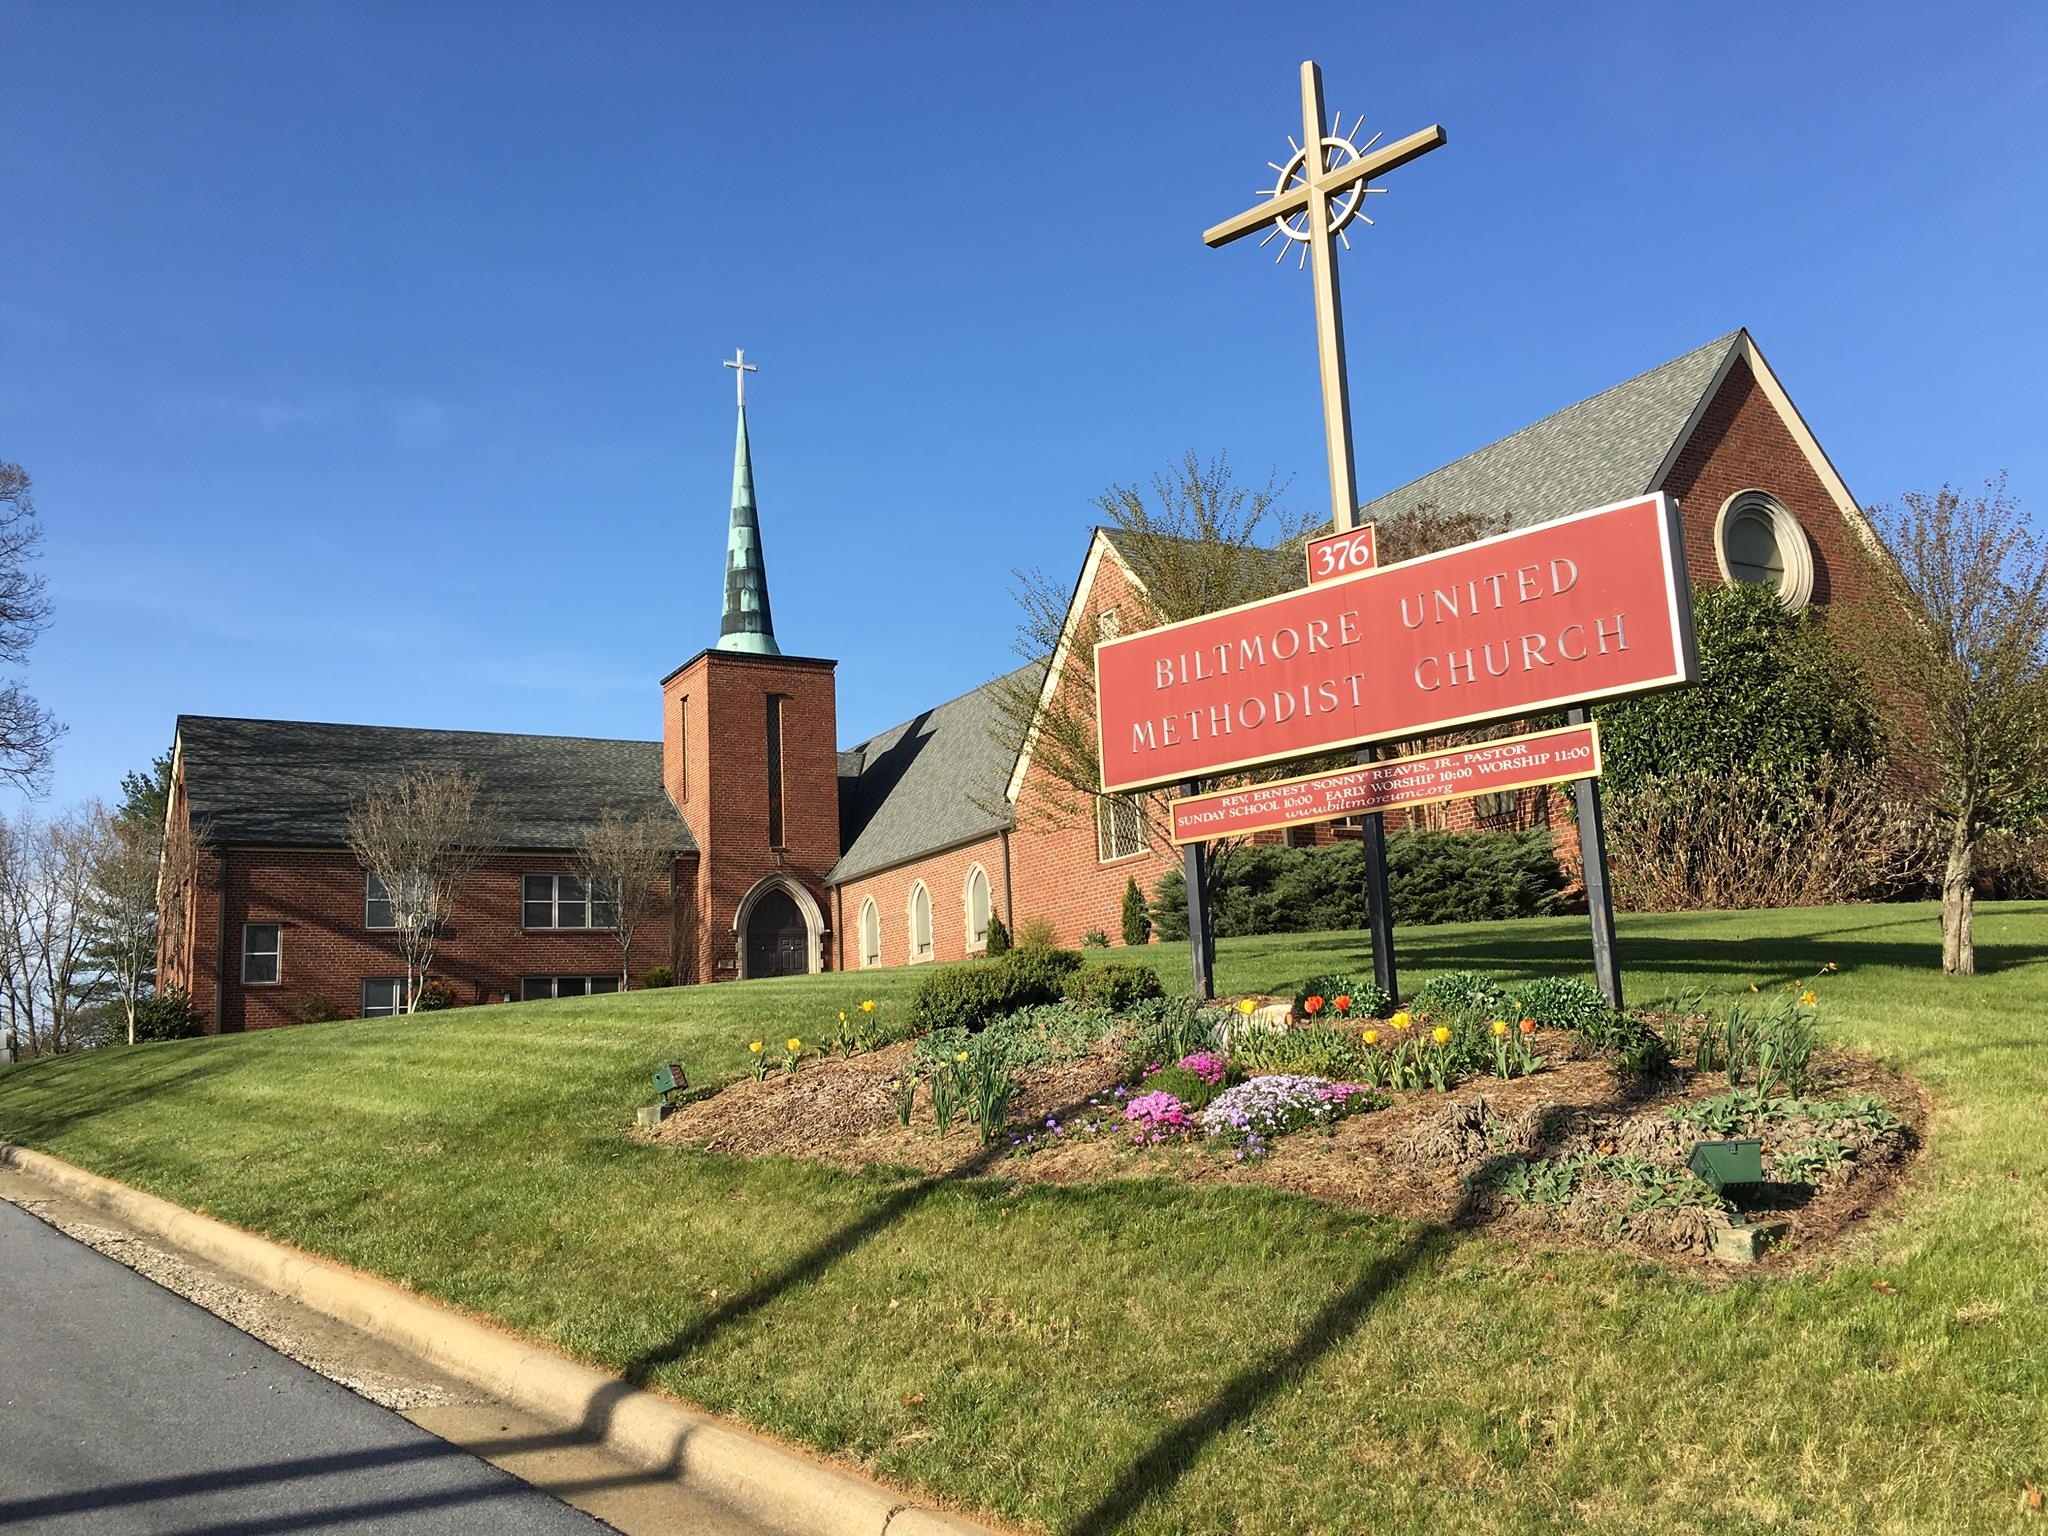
<point x="1831" y="481"/>
<point x="1076" y="607"/>
<point x="868" y="904"/>
<point x="397" y="983"/>
<point x="931" y="936"/>
<point x="967" y="907"/>
<point x="278" y="954"/>
<point x="1795" y="545"/>
<point x="806" y="905"/>
<point x="1106" y="805"/>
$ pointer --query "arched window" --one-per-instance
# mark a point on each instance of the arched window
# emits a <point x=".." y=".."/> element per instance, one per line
<point x="870" y="934"/>
<point x="977" y="904"/>
<point x="920" y="923"/>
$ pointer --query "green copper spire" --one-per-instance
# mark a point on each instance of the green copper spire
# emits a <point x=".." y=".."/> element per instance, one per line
<point x="748" y="625"/>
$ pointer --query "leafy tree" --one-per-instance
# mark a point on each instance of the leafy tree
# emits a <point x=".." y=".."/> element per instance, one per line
<point x="28" y="732"/>
<point x="1967" y="677"/>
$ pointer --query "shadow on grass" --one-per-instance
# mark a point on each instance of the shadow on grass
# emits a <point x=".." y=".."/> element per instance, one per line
<point x="43" y="1098"/>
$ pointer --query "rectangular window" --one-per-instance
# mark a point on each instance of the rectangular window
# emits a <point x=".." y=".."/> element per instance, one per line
<point x="565" y="901"/>
<point x="383" y="996"/>
<point x="1119" y="828"/>
<point x="775" y="702"/>
<point x="261" y="952"/>
<point x="533" y="988"/>
<point x="377" y="911"/>
<point x="1496" y="809"/>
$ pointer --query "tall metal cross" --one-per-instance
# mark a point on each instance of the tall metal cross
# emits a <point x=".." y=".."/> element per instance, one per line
<point x="738" y="361"/>
<point x="1318" y="192"/>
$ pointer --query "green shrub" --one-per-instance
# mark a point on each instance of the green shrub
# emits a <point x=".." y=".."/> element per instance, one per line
<point x="314" y="1008"/>
<point x="1367" y="1000"/>
<point x="1035" y="933"/>
<point x="998" y="935"/>
<point x="168" y="1015"/>
<point x="1137" y="920"/>
<point x="976" y="992"/>
<point x="1464" y="997"/>
<point x="435" y="996"/>
<point x="1184" y="1085"/>
<point x="1433" y="877"/>
<point x="1095" y="938"/>
<point x="1115" y="984"/>
<point x="1562" y="1002"/>
<point x="658" y="976"/>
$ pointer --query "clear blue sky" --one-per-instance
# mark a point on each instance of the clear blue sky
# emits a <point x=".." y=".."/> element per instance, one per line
<point x="366" y="356"/>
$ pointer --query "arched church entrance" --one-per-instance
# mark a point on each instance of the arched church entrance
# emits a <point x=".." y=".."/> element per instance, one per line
<point x="777" y="936"/>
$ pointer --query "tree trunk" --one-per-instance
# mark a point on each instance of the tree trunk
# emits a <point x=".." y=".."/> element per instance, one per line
<point x="1959" y="901"/>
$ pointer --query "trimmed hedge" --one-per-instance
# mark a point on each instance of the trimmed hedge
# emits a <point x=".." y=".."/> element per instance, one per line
<point x="1115" y="984"/>
<point x="971" y="994"/>
<point x="1433" y="877"/>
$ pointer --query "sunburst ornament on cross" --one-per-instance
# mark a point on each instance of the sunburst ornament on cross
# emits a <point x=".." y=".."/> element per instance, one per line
<point x="1316" y="195"/>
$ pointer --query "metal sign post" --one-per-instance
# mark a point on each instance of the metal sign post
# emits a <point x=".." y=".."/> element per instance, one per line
<point x="1593" y="870"/>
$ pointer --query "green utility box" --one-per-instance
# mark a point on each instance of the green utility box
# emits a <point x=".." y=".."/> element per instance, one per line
<point x="670" y="1079"/>
<point x="1727" y="1163"/>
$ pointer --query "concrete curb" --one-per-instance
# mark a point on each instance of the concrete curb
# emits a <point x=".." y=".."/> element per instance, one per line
<point x="753" y="1476"/>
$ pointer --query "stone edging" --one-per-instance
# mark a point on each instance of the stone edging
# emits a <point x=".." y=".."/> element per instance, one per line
<point x="752" y="1476"/>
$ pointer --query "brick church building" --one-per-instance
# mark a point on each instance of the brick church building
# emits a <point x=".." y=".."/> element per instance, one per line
<point x="793" y="854"/>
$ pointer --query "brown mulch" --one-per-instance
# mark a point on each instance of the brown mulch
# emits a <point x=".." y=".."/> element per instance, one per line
<point x="1411" y="1160"/>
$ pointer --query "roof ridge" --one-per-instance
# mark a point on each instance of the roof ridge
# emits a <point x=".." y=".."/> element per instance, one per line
<point x="417" y="730"/>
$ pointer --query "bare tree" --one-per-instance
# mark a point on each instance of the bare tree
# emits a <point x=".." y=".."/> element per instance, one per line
<point x="627" y="862"/>
<point x="127" y="858"/>
<point x="421" y="837"/>
<point x="28" y="731"/>
<point x="1425" y="528"/>
<point x="1966" y="676"/>
<point x="45" y="880"/>
<point x="1197" y="542"/>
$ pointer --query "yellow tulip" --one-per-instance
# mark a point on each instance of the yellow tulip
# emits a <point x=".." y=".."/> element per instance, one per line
<point x="1372" y="1037"/>
<point x="842" y="1015"/>
<point x="795" y="1044"/>
<point x="1401" y="1020"/>
<point x="868" y="1006"/>
<point x="1440" y="1035"/>
<point x="755" y="1047"/>
<point x="1247" y="1007"/>
<point x="959" y="1055"/>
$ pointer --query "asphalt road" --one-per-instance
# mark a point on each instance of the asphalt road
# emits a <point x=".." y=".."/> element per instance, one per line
<point x="124" y="1408"/>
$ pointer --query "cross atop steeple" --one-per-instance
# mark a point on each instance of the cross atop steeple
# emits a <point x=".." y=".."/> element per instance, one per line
<point x="738" y="362"/>
<point x="747" y="623"/>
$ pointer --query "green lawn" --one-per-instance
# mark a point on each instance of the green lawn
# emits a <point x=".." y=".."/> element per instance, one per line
<point x="1151" y="1357"/>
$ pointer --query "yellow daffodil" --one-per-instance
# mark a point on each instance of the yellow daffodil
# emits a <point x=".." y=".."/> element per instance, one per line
<point x="868" y="1006"/>
<point x="1247" y="1006"/>
<point x="795" y="1044"/>
<point x="1372" y="1037"/>
<point x="1440" y="1035"/>
<point x="1809" y="998"/>
<point x="1500" y="1027"/>
<point x="755" y="1047"/>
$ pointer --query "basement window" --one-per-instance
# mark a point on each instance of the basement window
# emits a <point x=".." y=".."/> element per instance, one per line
<point x="533" y="988"/>
<point x="383" y="996"/>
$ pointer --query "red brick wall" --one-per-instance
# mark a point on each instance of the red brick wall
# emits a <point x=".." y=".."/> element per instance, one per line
<point x="719" y="779"/>
<point x="316" y="897"/>
<point x="945" y="877"/>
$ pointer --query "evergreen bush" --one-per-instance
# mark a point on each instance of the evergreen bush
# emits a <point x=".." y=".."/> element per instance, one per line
<point x="1137" y="918"/>
<point x="1115" y="984"/>
<point x="976" y="992"/>
<point x="168" y="1015"/>
<point x="998" y="935"/>
<point x="658" y="976"/>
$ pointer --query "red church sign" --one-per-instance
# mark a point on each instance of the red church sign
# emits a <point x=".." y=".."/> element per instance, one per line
<point x="1487" y="767"/>
<point x="1590" y="606"/>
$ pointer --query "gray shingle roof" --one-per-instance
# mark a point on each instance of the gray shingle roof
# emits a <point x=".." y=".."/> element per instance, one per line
<point x="1602" y="450"/>
<point x="291" y="781"/>
<point x="936" y="780"/>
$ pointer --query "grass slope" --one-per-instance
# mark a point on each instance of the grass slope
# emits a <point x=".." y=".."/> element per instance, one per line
<point x="1149" y="1357"/>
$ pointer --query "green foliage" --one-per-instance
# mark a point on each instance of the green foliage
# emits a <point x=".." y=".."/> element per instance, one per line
<point x="977" y="991"/>
<point x="1115" y="985"/>
<point x="435" y="996"/>
<point x="1561" y="1002"/>
<point x="1433" y="877"/>
<point x="1777" y="698"/>
<point x="1464" y="997"/>
<point x="315" y="1008"/>
<point x="1137" y="918"/>
<point x="658" y="976"/>
<point x="1095" y="938"/>
<point x="1167" y="1028"/>
<point x="1030" y="1037"/>
<point x="168" y="1016"/>
<point x="1035" y="933"/>
<point x="1312" y="1052"/>
<point x="998" y="935"/>
<point x="1191" y="1089"/>
<point x="1769" y="1044"/>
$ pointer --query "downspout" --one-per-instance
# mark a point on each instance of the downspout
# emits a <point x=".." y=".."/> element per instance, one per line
<point x="1009" y="897"/>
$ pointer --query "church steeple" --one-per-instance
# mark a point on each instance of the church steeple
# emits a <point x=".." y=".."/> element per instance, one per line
<point x="747" y="624"/>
